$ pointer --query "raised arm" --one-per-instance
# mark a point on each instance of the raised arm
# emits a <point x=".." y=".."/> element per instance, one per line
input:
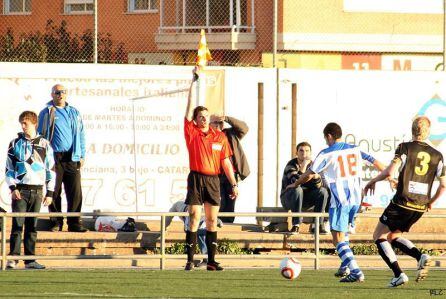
<point x="189" y="107"/>
<point x="239" y="127"/>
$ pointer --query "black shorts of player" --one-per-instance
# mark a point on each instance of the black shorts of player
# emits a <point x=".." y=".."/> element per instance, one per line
<point x="202" y="188"/>
<point x="399" y="218"/>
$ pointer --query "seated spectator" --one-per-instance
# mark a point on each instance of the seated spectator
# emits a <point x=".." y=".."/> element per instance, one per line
<point x="310" y="194"/>
<point x="180" y="206"/>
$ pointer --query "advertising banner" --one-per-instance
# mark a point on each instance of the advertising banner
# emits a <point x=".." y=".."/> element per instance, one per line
<point x="136" y="156"/>
<point x="375" y="111"/>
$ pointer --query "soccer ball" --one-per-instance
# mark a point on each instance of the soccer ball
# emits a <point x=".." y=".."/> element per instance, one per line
<point x="290" y="268"/>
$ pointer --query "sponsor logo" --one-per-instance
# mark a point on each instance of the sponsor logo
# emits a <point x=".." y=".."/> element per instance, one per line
<point x="435" y="110"/>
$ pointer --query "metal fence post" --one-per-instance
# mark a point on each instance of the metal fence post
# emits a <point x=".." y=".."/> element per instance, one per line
<point x="316" y="243"/>
<point x="163" y="242"/>
<point x="3" y="242"/>
<point x="95" y="38"/>
<point x="275" y="27"/>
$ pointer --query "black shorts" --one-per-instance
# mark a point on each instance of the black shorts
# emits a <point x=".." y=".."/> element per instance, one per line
<point x="398" y="218"/>
<point x="202" y="188"/>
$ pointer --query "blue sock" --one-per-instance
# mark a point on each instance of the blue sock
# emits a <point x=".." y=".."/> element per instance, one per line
<point x="347" y="258"/>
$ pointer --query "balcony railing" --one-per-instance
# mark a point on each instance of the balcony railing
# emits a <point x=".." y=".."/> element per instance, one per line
<point x="187" y="16"/>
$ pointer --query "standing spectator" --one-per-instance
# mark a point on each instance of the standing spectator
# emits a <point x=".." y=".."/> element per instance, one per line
<point x="420" y="165"/>
<point x="209" y="152"/>
<point x="62" y="125"/>
<point x="234" y="133"/>
<point x="309" y="194"/>
<point x="29" y="166"/>
<point x="340" y="164"/>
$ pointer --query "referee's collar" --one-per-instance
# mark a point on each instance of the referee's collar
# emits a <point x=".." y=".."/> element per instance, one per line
<point x="209" y="131"/>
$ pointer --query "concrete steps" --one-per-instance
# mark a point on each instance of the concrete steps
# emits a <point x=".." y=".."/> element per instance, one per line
<point x="428" y="233"/>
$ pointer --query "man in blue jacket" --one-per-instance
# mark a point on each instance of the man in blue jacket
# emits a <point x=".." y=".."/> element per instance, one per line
<point x="62" y="125"/>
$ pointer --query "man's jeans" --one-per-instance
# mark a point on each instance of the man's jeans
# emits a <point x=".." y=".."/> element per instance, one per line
<point x="30" y="201"/>
<point x="302" y="198"/>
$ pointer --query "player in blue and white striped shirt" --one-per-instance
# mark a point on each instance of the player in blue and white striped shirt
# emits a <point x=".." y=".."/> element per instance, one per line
<point x="340" y="164"/>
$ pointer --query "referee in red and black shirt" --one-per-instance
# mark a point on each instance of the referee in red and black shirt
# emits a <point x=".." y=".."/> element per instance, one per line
<point x="209" y="152"/>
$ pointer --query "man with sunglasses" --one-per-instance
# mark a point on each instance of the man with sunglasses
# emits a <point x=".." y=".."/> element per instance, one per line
<point x="62" y="125"/>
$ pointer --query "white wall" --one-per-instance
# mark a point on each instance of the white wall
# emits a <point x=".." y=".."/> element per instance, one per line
<point x="375" y="110"/>
<point x="102" y="93"/>
<point x="374" y="107"/>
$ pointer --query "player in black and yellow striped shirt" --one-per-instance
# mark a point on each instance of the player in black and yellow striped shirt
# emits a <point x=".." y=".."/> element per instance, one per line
<point x="420" y="164"/>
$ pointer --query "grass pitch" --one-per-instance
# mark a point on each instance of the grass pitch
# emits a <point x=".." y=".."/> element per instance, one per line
<point x="252" y="283"/>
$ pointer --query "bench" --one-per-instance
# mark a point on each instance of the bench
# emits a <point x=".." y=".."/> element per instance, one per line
<point x="276" y="224"/>
<point x="280" y="224"/>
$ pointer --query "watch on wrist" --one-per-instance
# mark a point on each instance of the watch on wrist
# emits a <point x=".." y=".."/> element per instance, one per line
<point x="233" y="186"/>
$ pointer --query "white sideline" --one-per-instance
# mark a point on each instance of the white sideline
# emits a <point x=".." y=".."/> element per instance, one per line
<point x="70" y="294"/>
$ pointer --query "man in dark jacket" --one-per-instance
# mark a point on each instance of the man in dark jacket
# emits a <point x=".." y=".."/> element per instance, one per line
<point x="234" y="133"/>
<point x="309" y="194"/>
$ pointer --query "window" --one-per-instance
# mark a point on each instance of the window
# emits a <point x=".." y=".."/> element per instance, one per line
<point x="219" y="12"/>
<point x="143" y="5"/>
<point x="16" y="7"/>
<point x="79" y="6"/>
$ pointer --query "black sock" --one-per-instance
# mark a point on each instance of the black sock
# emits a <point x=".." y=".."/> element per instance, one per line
<point x="211" y="243"/>
<point x="388" y="255"/>
<point x="191" y="244"/>
<point x="407" y="247"/>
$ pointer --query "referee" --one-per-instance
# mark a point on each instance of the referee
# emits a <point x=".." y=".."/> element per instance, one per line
<point x="209" y="153"/>
<point x="420" y="165"/>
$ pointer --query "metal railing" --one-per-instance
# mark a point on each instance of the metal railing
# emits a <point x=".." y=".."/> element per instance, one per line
<point x="208" y="29"/>
<point x="163" y="256"/>
<point x="232" y="18"/>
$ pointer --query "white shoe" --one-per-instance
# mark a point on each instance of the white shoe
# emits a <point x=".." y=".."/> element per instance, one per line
<point x="326" y="226"/>
<point x="397" y="281"/>
<point x="423" y="267"/>
<point x="11" y="264"/>
<point x="351" y="229"/>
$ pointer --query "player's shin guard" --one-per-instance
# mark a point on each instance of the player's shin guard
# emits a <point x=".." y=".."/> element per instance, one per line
<point x="347" y="258"/>
<point x="388" y="255"/>
<point x="407" y="247"/>
<point x="211" y="243"/>
<point x="191" y="244"/>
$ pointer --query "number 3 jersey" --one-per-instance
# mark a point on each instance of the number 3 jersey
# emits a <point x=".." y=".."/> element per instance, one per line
<point x="420" y="165"/>
<point x="341" y="164"/>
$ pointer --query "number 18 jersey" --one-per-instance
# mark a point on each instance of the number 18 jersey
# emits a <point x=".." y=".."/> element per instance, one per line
<point x="341" y="165"/>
